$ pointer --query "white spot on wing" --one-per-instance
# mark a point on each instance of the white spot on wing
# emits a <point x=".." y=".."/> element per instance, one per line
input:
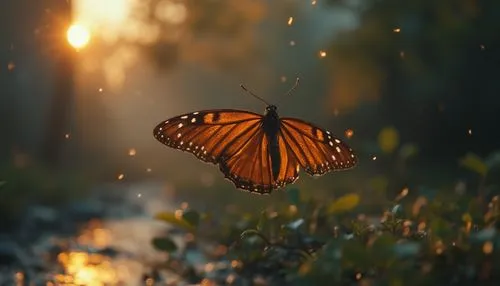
<point x="184" y="117"/>
<point x="180" y="125"/>
<point x="333" y="157"/>
<point x="179" y="135"/>
<point x="338" y="149"/>
<point x="331" y="143"/>
<point x="337" y="141"/>
<point x="193" y="120"/>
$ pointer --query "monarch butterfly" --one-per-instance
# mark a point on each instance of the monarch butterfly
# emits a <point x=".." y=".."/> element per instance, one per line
<point x="258" y="153"/>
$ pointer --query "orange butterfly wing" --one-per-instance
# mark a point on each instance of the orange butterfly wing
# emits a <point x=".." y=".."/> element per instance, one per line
<point x="210" y="135"/>
<point x="235" y="140"/>
<point x="250" y="168"/>
<point x="315" y="149"/>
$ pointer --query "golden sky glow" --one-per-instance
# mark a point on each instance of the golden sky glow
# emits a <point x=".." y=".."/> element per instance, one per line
<point x="78" y="36"/>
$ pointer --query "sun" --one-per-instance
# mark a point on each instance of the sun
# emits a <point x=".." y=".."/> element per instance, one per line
<point x="78" y="36"/>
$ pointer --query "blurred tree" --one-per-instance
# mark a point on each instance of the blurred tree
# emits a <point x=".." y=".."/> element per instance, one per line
<point x="216" y="34"/>
<point x="429" y="67"/>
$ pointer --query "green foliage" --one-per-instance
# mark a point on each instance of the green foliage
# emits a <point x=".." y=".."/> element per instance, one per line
<point x="388" y="139"/>
<point x="474" y="163"/>
<point x="176" y="220"/>
<point x="343" y="204"/>
<point x="164" y="244"/>
<point x="192" y="217"/>
<point x="310" y="241"/>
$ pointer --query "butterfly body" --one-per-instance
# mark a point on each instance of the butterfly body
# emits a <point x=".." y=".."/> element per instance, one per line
<point x="271" y="126"/>
<point x="258" y="153"/>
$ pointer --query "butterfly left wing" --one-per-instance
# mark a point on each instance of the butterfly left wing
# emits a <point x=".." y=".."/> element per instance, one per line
<point x="207" y="134"/>
<point x="315" y="149"/>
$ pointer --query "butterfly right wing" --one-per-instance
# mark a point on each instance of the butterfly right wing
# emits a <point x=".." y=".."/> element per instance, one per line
<point x="315" y="149"/>
<point x="210" y="135"/>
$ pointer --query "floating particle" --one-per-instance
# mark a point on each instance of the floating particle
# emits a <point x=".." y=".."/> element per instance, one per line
<point x="290" y="21"/>
<point x="322" y="54"/>
<point x="292" y="43"/>
<point x="139" y="195"/>
<point x="488" y="247"/>
<point x="396" y="30"/>
<point x="313" y="2"/>
<point x="283" y="78"/>
<point x="482" y="47"/>
<point x="121" y="176"/>
<point x="149" y="170"/>
<point x="374" y="158"/>
<point x="349" y="133"/>
<point x="19" y="277"/>
<point x="230" y="279"/>
<point x="11" y="66"/>
<point x="469" y="131"/>
<point x="100" y="89"/>
<point x="67" y="136"/>
<point x="404" y="192"/>
<point x="132" y="152"/>
<point x="402" y="54"/>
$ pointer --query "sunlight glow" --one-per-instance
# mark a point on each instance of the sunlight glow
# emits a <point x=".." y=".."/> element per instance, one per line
<point x="126" y="25"/>
<point x="78" y="36"/>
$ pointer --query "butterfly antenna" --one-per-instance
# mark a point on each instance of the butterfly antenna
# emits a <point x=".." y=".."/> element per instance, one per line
<point x="295" y="85"/>
<point x="253" y="94"/>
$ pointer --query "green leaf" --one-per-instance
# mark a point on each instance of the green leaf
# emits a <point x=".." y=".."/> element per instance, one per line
<point x="192" y="217"/>
<point x="164" y="244"/>
<point x="474" y="163"/>
<point x="171" y="218"/>
<point x="343" y="204"/>
<point x="466" y="217"/>
<point x="388" y="139"/>
<point x="293" y="196"/>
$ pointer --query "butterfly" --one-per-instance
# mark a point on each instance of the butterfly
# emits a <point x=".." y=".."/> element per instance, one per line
<point x="258" y="153"/>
